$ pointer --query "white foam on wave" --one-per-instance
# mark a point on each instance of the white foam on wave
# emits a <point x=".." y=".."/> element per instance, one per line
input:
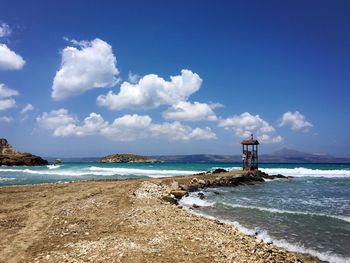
<point x="279" y="211"/>
<point x="306" y="172"/>
<point x="145" y="172"/>
<point x="193" y="198"/>
<point x="53" y="166"/>
<point x="263" y="235"/>
<point x="7" y="179"/>
<point x="100" y="171"/>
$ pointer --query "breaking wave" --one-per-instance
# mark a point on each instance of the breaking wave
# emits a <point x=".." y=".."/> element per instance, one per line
<point x="99" y="171"/>
<point x="279" y="211"/>
<point x="306" y="172"/>
<point x="263" y="235"/>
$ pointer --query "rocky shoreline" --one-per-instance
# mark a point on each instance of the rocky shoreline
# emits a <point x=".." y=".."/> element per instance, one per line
<point x="131" y="220"/>
<point x="9" y="156"/>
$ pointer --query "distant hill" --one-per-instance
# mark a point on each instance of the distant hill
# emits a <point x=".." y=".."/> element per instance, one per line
<point x="281" y="156"/>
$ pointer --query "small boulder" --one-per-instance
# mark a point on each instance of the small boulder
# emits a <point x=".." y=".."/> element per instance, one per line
<point x="219" y="170"/>
<point x="170" y="199"/>
<point x="174" y="185"/>
<point x="178" y="193"/>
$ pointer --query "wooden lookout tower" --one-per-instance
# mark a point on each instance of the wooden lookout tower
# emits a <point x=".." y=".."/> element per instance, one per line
<point x="250" y="154"/>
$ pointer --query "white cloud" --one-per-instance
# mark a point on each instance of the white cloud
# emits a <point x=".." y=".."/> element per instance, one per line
<point x="187" y="111"/>
<point x="91" y="65"/>
<point x="296" y="121"/>
<point x="5" y="30"/>
<point x="7" y="92"/>
<point x="178" y="132"/>
<point x="9" y="59"/>
<point x="151" y="91"/>
<point x="202" y="134"/>
<point x="128" y="128"/>
<point x="265" y="138"/>
<point x="7" y="104"/>
<point x="125" y="128"/>
<point x="55" y="119"/>
<point x="29" y="107"/>
<point x="6" y="119"/>
<point x="245" y="124"/>
<point x="133" y="78"/>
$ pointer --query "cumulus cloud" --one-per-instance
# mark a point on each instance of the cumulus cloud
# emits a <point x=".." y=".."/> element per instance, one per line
<point x="125" y="128"/>
<point x="90" y="65"/>
<point x="55" y="119"/>
<point x="266" y="138"/>
<point x="7" y="104"/>
<point x="9" y="60"/>
<point x="133" y="78"/>
<point x="178" y="132"/>
<point x="6" y="119"/>
<point x="29" y="107"/>
<point x="128" y="128"/>
<point x="296" y="121"/>
<point x="5" y="30"/>
<point x="187" y="111"/>
<point x="7" y="92"/>
<point x="245" y="124"/>
<point x="151" y="91"/>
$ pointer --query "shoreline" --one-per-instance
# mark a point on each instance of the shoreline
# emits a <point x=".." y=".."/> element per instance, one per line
<point x="123" y="221"/>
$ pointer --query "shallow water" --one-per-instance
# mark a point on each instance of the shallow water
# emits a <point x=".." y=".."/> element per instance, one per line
<point x="303" y="214"/>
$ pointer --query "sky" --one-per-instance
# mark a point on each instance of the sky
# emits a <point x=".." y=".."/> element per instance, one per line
<point x="90" y="78"/>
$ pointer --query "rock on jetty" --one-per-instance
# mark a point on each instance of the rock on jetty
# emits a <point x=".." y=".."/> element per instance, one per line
<point x="127" y="158"/>
<point x="9" y="156"/>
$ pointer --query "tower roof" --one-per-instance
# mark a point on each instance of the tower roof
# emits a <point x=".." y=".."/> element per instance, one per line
<point x="250" y="141"/>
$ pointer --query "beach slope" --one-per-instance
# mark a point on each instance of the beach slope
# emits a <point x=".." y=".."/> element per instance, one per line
<point x="120" y="221"/>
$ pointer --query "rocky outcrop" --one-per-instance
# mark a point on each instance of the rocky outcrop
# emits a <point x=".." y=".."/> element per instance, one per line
<point x="127" y="158"/>
<point x="9" y="156"/>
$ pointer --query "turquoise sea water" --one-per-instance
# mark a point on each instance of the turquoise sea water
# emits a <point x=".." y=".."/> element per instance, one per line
<point x="308" y="213"/>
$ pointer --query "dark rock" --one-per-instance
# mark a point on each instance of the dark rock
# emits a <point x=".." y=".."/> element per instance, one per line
<point x="170" y="200"/>
<point x="179" y="193"/>
<point x="201" y="195"/>
<point x="9" y="156"/>
<point x="219" y="170"/>
<point x="195" y="206"/>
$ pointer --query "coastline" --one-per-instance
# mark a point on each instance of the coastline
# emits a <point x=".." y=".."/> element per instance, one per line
<point x="122" y="221"/>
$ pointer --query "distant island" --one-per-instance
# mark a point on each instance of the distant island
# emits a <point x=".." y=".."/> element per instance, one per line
<point x="283" y="155"/>
<point x="9" y="156"/>
<point x="127" y="158"/>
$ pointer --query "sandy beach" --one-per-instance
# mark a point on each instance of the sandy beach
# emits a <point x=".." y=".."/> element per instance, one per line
<point x="120" y="221"/>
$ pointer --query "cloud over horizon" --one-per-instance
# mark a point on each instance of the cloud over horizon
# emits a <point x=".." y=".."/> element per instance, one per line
<point x="125" y="128"/>
<point x="151" y="91"/>
<point x="246" y="124"/>
<point x="296" y="121"/>
<point x="90" y="65"/>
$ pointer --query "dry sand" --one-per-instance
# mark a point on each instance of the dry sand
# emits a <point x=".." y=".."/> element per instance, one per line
<point x="119" y="221"/>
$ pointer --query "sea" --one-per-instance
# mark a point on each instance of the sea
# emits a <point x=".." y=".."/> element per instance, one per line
<point x="309" y="213"/>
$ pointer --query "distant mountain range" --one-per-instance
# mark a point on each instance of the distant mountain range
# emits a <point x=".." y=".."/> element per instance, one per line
<point x="281" y="156"/>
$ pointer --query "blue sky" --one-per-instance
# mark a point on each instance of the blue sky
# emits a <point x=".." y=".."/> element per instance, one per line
<point x="90" y="78"/>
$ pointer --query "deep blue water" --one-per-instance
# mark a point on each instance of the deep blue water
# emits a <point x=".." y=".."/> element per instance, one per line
<point x="308" y="213"/>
